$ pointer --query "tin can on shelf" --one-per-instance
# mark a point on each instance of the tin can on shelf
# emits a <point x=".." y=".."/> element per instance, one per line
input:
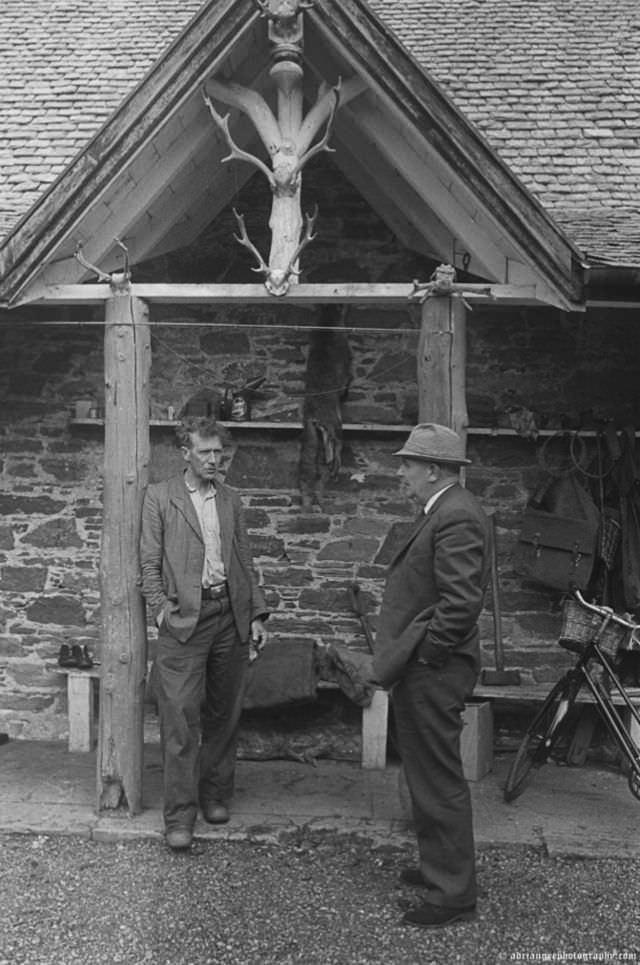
<point x="239" y="409"/>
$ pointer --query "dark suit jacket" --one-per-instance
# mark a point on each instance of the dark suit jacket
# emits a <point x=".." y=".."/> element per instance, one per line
<point x="435" y="587"/>
<point x="172" y="557"/>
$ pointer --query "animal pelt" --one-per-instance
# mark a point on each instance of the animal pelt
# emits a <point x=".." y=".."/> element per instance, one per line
<point x="328" y="376"/>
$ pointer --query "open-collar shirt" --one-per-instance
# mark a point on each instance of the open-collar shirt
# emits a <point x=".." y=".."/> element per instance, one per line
<point x="204" y="503"/>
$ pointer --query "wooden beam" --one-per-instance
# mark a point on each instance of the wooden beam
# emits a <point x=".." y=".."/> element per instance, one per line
<point x="376" y="55"/>
<point x="442" y="362"/>
<point x="127" y="354"/>
<point x="197" y="51"/>
<point x="388" y="193"/>
<point x="363" y="293"/>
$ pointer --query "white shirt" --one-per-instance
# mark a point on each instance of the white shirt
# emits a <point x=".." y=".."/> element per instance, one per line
<point x="204" y="504"/>
<point x="432" y="499"/>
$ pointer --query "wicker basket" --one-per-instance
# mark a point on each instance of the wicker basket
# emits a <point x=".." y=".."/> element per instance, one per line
<point x="581" y="626"/>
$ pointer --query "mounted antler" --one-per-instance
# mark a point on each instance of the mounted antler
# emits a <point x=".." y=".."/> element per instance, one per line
<point x="223" y="124"/>
<point x="244" y="240"/>
<point x="288" y="138"/>
<point x="116" y="279"/>
<point x="277" y="280"/>
<point x="309" y="222"/>
<point x="442" y="283"/>
<point x="288" y="145"/>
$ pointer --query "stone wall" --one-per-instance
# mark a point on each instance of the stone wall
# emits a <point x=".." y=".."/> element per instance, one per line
<point x="570" y="370"/>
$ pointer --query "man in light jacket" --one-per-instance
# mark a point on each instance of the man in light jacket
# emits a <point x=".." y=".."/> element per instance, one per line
<point x="427" y="652"/>
<point x="198" y="580"/>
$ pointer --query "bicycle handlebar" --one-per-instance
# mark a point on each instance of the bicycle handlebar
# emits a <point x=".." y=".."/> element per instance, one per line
<point x="605" y="611"/>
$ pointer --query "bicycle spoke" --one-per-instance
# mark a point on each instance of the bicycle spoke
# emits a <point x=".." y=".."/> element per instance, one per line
<point x="543" y="737"/>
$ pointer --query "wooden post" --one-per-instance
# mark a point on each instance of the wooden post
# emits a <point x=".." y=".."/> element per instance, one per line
<point x="442" y="357"/>
<point x="127" y="360"/>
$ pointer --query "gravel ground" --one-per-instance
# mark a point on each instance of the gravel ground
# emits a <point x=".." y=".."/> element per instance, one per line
<point x="316" y="898"/>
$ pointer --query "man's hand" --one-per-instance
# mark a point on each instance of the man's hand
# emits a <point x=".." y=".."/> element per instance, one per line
<point x="258" y="639"/>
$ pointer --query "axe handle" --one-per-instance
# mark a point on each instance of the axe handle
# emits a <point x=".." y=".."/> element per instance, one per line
<point x="358" y="609"/>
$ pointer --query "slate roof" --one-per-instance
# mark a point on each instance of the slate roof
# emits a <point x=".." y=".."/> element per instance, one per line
<point x="553" y="85"/>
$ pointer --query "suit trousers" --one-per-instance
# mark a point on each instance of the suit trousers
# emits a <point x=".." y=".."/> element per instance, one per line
<point x="428" y="704"/>
<point x="199" y="686"/>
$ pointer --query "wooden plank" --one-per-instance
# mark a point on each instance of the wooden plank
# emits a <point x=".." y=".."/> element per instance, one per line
<point x="476" y="740"/>
<point x="535" y="692"/>
<point x="442" y="355"/>
<point x="374" y="731"/>
<point x="211" y="294"/>
<point x="380" y="428"/>
<point x="127" y="353"/>
<point x="80" y="711"/>
<point x="405" y="211"/>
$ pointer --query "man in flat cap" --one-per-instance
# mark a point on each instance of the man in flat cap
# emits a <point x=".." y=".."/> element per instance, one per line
<point x="427" y="652"/>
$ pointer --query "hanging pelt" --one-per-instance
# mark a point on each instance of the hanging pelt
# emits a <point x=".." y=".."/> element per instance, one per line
<point x="327" y="380"/>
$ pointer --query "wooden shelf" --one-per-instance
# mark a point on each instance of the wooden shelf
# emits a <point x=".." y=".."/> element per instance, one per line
<point x="379" y="428"/>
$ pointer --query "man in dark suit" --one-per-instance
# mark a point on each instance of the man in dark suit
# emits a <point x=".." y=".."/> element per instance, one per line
<point x="198" y="579"/>
<point x="427" y="651"/>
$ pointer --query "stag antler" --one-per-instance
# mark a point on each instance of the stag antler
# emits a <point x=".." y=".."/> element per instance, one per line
<point x="311" y="123"/>
<point x="101" y="275"/>
<point x="235" y="151"/>
<point x="309" y="222"/>
<point x="118" y="280"/>
<point x="244" y="240"/>
<point x="287" y="137"/>
<point x="277" y="280"/>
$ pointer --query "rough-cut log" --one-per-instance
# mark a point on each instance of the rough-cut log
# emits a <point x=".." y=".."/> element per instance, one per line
<point x="442" y="354"/>
<point x="327" y="380"/>
<point x="126" y="461"/>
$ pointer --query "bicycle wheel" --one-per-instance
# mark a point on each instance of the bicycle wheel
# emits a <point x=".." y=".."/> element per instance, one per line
<point x="634" y="782"/>
<point x="542" y="736"/>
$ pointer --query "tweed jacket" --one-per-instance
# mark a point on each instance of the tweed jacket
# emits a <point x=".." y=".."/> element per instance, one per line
<point x="435" y="588"/>
<point x="172" y="557"/>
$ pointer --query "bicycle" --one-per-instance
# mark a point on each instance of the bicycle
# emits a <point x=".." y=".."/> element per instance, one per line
<point x="597" y="634"/>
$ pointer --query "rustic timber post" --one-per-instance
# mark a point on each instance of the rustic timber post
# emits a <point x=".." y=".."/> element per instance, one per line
<point x="127" y="360"/>
<point x="442" y="356"/>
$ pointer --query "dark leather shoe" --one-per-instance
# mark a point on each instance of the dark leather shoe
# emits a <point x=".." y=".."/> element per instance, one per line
<point x="215" y="813"/>
<point x="435" y="916"/>
<point x="83" y="658"/>
<point x="65" y="656"/>
<point x="179" y="839"/>
<point x="413" y="877"/>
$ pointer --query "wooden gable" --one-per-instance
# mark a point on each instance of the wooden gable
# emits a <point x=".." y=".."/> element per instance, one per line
<point x="152" y="178"/>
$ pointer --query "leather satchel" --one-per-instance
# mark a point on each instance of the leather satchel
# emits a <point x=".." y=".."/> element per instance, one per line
<point x="556" y="551"/>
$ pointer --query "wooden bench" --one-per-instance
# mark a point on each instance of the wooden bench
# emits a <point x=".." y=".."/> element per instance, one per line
<point x="477" y="735"/>
<point x="584" y="731"/>
<point x="81" y="702"/>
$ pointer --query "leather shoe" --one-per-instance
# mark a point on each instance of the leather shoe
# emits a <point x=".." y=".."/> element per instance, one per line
<point x="179" y="839"/>
<point x="413" y="877"/>
<point x="65" y="656"/>
<point x="436" y="916"/>
<point x="215" y="813"/>
<point x="82" y="657"/>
